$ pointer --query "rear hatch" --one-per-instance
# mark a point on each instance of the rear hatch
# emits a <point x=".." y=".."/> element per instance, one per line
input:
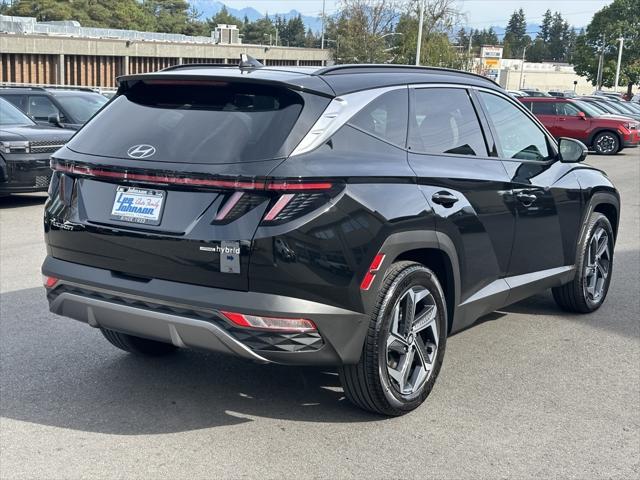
<point x="171" y="179"/>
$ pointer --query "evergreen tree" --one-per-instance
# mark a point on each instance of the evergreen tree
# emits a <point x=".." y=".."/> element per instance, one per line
<point x="515" y="36"/>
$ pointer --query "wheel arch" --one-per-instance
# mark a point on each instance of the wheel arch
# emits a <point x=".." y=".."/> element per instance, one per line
<point x="606" y="203"/>
<point x="435" y="251"/>
<point x="599" y="130"/>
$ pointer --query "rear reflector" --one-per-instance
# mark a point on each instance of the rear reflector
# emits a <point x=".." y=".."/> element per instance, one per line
<point x="49" y="282"/>
<point x="278" y="206"/>
<point x="271" y="323"/>
<point x="370" y="276"/>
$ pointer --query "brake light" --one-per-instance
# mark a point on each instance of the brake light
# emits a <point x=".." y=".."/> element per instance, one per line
<point x="271" y="323"/>
<point x="172" y="179"/>
<point x="49" y="282"/>
<point x="297" y="197"/>
<point x="370" y="276"/>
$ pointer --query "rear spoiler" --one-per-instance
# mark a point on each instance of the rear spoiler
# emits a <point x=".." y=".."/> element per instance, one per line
<point x="294" y="80"/>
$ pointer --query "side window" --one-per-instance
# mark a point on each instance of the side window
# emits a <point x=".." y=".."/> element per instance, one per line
<point x="567" y="109"/>
<point x="443" y="120"/>
<point x="385" y="117"/>
<point x="528" y="105"/>
<point x="544" y="108"/>
<point x="40" y="107"/>
<point x="518" y="135"/>
<point x="17" y="100"/>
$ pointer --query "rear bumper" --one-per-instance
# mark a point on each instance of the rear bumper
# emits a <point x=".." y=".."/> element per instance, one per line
<point x="187" y="316"/>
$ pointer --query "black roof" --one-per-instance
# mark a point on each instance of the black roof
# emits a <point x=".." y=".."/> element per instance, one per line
<point x="330" y="81"/>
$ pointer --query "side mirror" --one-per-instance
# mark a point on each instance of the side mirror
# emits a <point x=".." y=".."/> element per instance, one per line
<point x="54" y="119"/>
<point x="571" y="150"/>
<point x="582" y="115"/>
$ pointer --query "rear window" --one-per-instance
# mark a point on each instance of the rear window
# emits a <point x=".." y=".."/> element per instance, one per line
<point x="194" y="122"/>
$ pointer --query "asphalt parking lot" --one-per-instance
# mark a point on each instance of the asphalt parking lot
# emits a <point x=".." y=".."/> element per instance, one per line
<point x="528" y="392"/>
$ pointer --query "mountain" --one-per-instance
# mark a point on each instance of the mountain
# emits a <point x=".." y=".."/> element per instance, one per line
<point x="207" y="9"/>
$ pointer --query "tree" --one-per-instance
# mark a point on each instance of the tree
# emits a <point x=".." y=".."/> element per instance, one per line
<point x="359" y="31"/>
<point x="619" y="19"/>
<point x="440" y="19"/>
<point x="171" y="15"/>
<point x="515" y="35"/>
<point x="258" y="32"/>
<point x="223" y="17"/>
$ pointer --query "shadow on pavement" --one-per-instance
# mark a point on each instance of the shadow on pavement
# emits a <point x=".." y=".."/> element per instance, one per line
<point x="59" y="372"/>
<point x="22" y="200"/>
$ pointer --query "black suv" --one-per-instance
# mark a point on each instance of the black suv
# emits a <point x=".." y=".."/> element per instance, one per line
<point x="61" y="107"/>
<point x="349" y="216"/>
<point x="24" y="151"/>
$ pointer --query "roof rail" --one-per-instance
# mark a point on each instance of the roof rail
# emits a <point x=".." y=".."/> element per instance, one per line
<point x="25" y="87"/>
<point x="197" y="65"/>
<point x="61" y="87"/>
<point x="397" y="68"/>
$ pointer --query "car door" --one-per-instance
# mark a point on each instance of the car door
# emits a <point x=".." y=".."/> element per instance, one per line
<point x="466" y="187"/>
<point x="571" y="122"/>
<point x="546" y="193"/>
<point x="545" y="111"/>
<point x="40" y="107"/>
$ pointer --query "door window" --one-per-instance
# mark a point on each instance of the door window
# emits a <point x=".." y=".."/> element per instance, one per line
<point x="518" y="135"/>
<point x="40" y="107"/>
<point x="443" y="120"/>
<point x="543" y="108"/>
<point x="567" y="109"/>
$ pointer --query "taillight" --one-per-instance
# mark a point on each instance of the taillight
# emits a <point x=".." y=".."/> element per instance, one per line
<point x="296" y="197"/>
<point x="370" y="276"/>
<point x="270" y="323"/>
<point x="49" y="282"/>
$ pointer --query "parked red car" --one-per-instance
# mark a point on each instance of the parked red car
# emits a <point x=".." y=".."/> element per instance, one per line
<point x="564" y="117"/>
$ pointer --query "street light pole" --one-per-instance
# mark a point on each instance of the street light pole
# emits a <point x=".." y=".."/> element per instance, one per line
<point x="419" y="45"/>
<point x="522" y="67"/>
<point x="621" y="39"/>
<point x="600" y="66"/>
<point x="322" y="37"/>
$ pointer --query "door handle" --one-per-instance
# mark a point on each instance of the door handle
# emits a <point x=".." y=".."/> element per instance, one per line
<point x="444" y="198"/>
<point x="526" y="198"/>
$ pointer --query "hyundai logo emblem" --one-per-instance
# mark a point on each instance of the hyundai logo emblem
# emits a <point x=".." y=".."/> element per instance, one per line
<point x="141" y="151"/>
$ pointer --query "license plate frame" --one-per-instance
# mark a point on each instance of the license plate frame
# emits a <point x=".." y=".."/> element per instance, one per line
<point x="142" y="206"/>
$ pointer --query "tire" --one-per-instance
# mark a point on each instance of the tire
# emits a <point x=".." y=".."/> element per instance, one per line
<point x="137" y="345"/>
<point x="376" y="382"/>
<point x="580" y="294"/>
<point x="606" y="143"/>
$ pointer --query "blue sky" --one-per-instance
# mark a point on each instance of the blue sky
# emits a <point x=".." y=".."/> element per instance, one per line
<point x="479" y="13"/>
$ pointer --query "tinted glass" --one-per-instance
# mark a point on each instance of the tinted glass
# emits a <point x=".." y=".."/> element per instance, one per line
<point x="443" y="120"/>
<point x="543" y="108"/>
<point x="81" y="107"/>
<point x="17" y="100"/>
<point x="385" y="117"/>
<point x="567" y="109"/>
<point x="40" y="107"/>
<point x="518" y="135"/>
<point x="194" y="122"/>
<point x="10" y="115"/>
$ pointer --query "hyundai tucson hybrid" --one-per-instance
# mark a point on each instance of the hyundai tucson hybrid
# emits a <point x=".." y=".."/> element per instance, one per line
<point x="346" y="216"/>
<point x="24" y="151"/>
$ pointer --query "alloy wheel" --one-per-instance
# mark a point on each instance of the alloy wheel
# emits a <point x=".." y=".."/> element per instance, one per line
<point x="412" y="342"/>
<point x="597" y="265"/>
<point x="606" y="144"/>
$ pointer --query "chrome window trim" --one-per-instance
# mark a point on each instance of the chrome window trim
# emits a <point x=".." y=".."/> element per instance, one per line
<point x="339" y="111"/>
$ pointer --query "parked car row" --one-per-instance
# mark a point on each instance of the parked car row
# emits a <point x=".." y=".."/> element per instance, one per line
<point x="603" y="125"/>
<point x="35" y="122"/>
<point x="25" y="148"/>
